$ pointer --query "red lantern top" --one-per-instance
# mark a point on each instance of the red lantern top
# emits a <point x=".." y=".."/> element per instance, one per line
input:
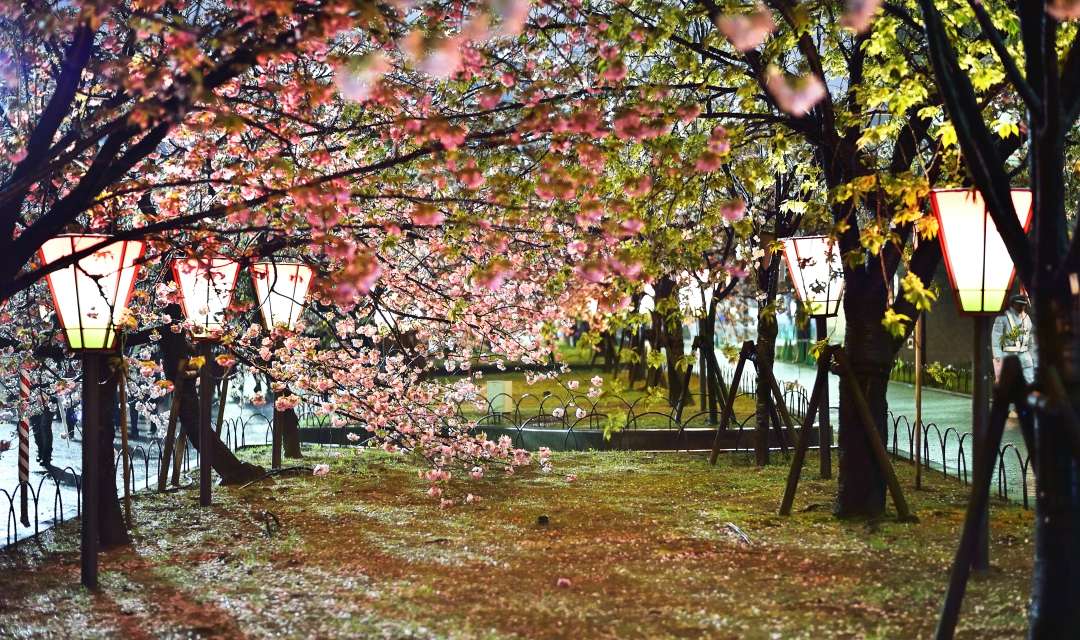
<point x="92" y="295"/>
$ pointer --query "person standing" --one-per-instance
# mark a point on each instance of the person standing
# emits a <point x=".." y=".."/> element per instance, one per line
<point x="42" y="425"/>
<point x="1012" y="335"/>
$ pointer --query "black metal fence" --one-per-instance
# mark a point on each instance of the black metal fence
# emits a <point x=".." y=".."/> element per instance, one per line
<point x="954" y="379"/>
<point x="62" y="487"/>
<point x="949" y="451"/>
<point x="944" y="449"/>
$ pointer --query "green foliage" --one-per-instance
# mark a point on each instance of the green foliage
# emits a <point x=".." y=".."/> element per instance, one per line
<point x="917" y="293"/>
<point x="895" y="323"/>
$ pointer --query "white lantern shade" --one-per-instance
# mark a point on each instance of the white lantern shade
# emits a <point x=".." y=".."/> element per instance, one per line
<point x="206" y="288"/>
<point x="280" y="289"/>
<point x="92" y="295"/>
<point x="816" y="273"/>
<point x="980" y="270"/>
<point x="648" y="300"/>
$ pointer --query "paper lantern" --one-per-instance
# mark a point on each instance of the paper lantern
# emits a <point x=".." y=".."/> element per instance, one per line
<point x="980" y="270"/>
<point x="281" y="289"/>
<point x="92" y="295"/>
<point x="816" y="273"/>
<point x="206" y="289"/>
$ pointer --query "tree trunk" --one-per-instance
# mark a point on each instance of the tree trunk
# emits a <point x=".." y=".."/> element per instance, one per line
<point x="231" y="469"/>
<point x="870" y="349"/>
<point x="290" y="434"/>
<point x="766" y="355"/>
<point x="1055" y="590"/>
<point x="674" y="352"/>
<point x="668" y="335"/>
<point x="1056" y="574"/>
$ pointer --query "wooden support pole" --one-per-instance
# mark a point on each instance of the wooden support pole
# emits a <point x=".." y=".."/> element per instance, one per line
<point x="170" y="433"/>
<point x="179" y="456"/>
<point x="1011" y="388"/>
<point x="781" y="406"/>
<point x="684" y="393"/>
<point x="820" y="384"/>
<point x="223" y="390"/>
<point x="125" y="453"/>
<point x="729" y="404"/>
<point x="872" y="436"/>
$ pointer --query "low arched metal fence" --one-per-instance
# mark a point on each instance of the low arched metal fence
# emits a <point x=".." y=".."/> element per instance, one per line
<point x="949" y="451"/>
<point x="576" y="415"/>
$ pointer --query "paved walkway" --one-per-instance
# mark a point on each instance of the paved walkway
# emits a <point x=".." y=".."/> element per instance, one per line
<point x="945" y="410"/>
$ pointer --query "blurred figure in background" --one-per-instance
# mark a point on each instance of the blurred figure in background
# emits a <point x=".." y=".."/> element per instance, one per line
<point x="1012" y="335"/>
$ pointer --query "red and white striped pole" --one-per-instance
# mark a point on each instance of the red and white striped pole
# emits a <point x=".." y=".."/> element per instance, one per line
<point x="24" y="445"/>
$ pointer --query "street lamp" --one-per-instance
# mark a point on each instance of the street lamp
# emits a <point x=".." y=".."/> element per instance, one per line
<point x="981" y="274"/>
<point x="817" y="275"/>
<point x="206" y="287"/>
<point x="91" y="297"/>
<point x="280" y="290"/>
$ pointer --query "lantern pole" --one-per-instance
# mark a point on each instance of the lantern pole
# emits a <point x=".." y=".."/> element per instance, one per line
<point x="821" y="327"/>
<point x="920" y="356"/>
<point x="206" y="389"/>
<point x="91" y="485"/>
<point x="820" y="310"/>
<point x="962" y="215"/>
<point x="96" y="315"/>
<point x="275" y="428"/>
<point x="982" y="382"/>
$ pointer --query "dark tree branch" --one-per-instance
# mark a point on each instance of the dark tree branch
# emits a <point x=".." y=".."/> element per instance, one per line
<point x="1011" y="70"/>
<point x="976" y="143"/>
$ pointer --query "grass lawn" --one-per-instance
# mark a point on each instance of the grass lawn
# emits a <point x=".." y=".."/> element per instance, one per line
<point x="640" y="545"/>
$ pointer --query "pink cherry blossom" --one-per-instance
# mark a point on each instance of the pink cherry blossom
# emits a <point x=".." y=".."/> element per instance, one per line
<point x="795" y="96"/>
<point x="426" y="215"/>
<point x="1064" y="10"/>
<point x="733" y="210"/>
<point x="859" y="14"/>
<point x="746" y="32"/>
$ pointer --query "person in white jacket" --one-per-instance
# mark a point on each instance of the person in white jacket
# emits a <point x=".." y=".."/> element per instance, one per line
<point x="1013" y="335"/>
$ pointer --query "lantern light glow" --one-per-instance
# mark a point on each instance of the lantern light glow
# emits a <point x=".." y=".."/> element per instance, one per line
<point x="980" y="269"/>
<point x="816" y="273"/>
<point x="206" y="289"/>
<point x="281" y="288"/>
<point x="92" y="295"/>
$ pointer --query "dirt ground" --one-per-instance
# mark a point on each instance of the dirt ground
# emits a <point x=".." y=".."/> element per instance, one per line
<point x="637" y="546"/>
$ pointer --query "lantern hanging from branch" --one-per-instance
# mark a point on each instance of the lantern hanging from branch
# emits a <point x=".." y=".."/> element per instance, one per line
<point x="206" y="288"/>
